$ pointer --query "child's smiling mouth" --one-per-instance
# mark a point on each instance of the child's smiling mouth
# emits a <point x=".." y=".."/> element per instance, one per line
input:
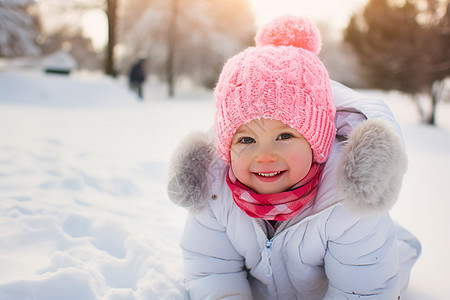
<point x="269" y="174"/>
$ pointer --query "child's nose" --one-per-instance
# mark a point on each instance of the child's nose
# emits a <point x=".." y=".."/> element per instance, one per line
<point x="266" y="155"/>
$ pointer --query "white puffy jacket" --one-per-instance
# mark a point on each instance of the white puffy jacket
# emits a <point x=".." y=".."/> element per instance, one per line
<point x="343" y="245"/>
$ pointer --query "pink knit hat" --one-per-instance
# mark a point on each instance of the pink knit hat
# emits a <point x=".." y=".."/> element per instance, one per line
<point x="282" y="79"/>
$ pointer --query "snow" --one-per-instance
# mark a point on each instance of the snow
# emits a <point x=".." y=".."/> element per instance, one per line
<point x="60" y="61"/>
<point x="83" y="166"/>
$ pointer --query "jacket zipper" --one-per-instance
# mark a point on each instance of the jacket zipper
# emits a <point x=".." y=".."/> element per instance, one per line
<point x="268" y="251"/>
<point x="267" y="254"/>
<point x="268" y="244"/>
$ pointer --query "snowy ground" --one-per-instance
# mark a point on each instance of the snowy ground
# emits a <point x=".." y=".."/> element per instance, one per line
<point x="83" y="209"/>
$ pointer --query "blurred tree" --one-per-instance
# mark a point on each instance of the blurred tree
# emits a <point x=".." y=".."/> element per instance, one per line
<point x="18" y="29"/>
<point x="111" y="13"/>
<point x="110" y="7"/>
<point x="76" y="44"/>
<point x="171" y="44"/>
<point x="339" y="57"/>
<point x="403" y="45"/>
<point x="191" y="38"/>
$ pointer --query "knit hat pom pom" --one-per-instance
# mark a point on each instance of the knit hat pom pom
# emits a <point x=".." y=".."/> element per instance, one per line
<point x="290" y="31"/>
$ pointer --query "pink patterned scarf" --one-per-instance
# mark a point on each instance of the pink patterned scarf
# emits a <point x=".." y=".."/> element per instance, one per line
<point x="280" y="206"/>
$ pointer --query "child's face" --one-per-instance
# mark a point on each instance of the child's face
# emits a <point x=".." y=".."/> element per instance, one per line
<point x="269" y="157"/>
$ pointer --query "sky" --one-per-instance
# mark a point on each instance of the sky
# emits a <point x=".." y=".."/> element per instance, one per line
<point x="335" y="13"/>
<point x="95" y="26"/>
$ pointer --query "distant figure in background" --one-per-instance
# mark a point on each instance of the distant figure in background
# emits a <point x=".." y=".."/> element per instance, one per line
<point x="137" y="77"/>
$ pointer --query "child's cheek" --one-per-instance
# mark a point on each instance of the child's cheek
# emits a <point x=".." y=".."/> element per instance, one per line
<point x="240" y="151"/>
<point x="299" y="162"/>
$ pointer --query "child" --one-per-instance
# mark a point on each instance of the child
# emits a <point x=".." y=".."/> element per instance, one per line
<point x="291" y="199"/>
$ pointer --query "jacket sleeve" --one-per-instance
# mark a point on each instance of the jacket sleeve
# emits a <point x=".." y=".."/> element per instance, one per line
<point x="352" y="108"/>
<point x="361" y="261"/>
<point x="214" y="269"/>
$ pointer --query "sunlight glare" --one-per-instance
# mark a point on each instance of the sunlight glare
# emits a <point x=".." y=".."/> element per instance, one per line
<point x="95" y="27"/>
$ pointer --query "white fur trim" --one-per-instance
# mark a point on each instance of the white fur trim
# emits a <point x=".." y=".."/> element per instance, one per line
<point x="188" y="173"/>
<point x="371" y="168"/>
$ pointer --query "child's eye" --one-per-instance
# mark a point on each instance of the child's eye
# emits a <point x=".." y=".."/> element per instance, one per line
<point x="284" y="136"/>
<point x="246" y="140"/>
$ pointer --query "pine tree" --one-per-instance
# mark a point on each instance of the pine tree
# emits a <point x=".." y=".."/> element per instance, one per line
<point x="403" y="47"/>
